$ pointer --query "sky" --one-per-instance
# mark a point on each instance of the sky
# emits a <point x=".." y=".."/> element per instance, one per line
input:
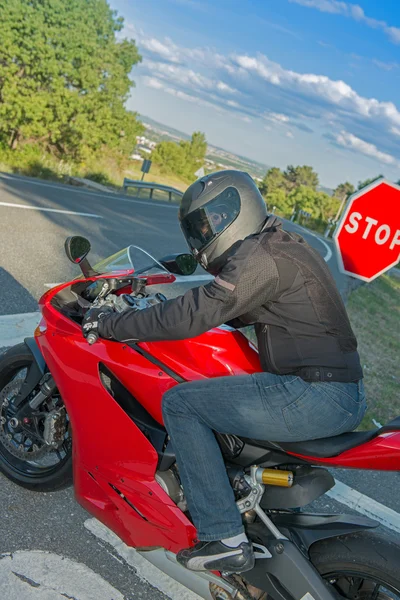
<point x="283" y="82"/>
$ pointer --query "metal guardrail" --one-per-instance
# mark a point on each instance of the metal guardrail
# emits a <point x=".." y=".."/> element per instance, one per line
<point x="153" y="191"/>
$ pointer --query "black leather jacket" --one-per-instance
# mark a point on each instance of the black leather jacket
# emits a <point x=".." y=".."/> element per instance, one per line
<point x="275" y="281"/>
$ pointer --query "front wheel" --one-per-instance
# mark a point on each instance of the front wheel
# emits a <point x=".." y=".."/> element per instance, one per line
<point x="25" y="458"/>
<point x="360" y="566"/>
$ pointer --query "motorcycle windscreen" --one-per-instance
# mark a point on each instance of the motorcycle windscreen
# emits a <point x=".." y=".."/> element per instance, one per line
<point x="130" y="258"/>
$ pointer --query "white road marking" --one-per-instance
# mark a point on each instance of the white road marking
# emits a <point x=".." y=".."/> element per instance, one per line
<point x="144" y="569"/>
<point x="53" y="210"/>
<point x="365" y="505"/>
<point x="37" y="575"/>
<point x="329" y="253"/>
<point x="80" y="191"/>
<point x="15" y="328"/>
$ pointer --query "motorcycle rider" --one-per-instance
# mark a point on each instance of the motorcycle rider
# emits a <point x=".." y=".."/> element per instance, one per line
<point x="311" y="381"/>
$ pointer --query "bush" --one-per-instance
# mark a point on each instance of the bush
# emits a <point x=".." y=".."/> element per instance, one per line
<point x="99" y="177"/>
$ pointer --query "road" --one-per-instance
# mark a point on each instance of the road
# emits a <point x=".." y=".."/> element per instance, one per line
<point x="36" y="218"/>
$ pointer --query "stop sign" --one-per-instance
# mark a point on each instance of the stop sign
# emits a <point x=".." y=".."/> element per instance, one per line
<point x="368" y="236"/>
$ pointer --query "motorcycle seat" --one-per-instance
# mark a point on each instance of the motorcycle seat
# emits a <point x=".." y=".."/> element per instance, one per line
<point x="333" y="446"/>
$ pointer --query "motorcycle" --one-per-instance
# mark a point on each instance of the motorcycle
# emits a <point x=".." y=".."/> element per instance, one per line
<point x="89" y="410"/>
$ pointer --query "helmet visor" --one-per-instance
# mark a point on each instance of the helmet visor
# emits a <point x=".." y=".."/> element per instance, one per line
<point x="204" y="224"/>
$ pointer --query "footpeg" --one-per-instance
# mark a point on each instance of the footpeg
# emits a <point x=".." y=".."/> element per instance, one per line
<point x="261" y="551"/>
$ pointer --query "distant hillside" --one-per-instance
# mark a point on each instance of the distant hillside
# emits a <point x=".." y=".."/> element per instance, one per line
<point x="216" y="157"/>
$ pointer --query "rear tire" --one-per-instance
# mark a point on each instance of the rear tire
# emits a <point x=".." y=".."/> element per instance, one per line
<point x="368" y="555"/>
<point x="57" y="478"/>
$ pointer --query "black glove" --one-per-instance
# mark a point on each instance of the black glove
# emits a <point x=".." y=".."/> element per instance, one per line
<point x="90" y="323"/>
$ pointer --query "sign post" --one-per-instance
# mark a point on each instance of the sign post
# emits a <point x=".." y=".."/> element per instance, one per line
<point x="145" y="167"/>
<point x="367" y="237"/>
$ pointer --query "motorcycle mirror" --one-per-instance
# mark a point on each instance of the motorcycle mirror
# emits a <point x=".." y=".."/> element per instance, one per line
<point x="179" y="264"/>
<point x="77" y="248"/>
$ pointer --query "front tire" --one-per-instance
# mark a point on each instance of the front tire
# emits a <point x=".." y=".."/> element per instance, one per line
<point x="26" y="473"/>
<point x="361" y="566"/>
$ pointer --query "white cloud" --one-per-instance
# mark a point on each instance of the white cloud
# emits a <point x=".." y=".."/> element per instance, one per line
<point x="348" y="140"/>
<point x="289" y="134"/>
<point x="353" y="11"/>
<point x="233" y="104"/>
<point x="152" y="82"/>
<point x="395" y="130"/>
<point x="394" y="34"/>
<point x="276" y="118"/>
<point x="246" y="119"/>
<point x="329" y="6"/>
<point x="193" y="99"/>
<point x="184" y="76"/>
<point x="156" y="84"/>
<point x="167" y="49"/>
<point x="384" y="65"/>
<point x="223" y="87"/>
<point x="335" y="93"/>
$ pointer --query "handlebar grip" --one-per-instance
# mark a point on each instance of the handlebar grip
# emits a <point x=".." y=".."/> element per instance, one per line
<point x="92" y="338"/>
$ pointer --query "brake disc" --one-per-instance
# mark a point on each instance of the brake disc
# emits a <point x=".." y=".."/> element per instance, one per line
<point x="23" y="448"/>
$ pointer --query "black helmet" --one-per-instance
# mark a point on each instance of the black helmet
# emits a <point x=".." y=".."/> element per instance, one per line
<point x="217" y="211"/>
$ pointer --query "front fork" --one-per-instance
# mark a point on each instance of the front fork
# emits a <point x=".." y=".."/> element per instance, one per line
<point x="37" y="377"/>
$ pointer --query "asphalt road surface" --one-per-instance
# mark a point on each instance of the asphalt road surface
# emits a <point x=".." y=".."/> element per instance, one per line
<point x="50" y="533"/>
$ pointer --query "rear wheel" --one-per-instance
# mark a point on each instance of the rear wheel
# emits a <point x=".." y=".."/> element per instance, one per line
<point x="360" y="566"/>
<point x="25" y="458"/>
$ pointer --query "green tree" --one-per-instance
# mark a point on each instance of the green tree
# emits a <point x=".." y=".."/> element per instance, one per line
<point x="301" y="176"/>
<point x="343" y="191"/>
<point x="279" y="199"/>
<point x="302" y="198"/>
<point x="170" y="157"/>
<point x="274" y="180"/>
<point x="182" y="159"/>
<point x="197" y="148"/>
<point x="324" y="206"/>
<point x="64" y="76"/>
<point x="319" y="204"/>
<point x="362" y="184"/>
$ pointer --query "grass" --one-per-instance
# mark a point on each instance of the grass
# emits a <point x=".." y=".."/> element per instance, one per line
<point x="374" y="311"/>
<point x="108" y="169"/>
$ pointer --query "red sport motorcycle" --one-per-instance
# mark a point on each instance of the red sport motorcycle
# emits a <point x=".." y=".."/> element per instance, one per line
<point x="94" y="409"/>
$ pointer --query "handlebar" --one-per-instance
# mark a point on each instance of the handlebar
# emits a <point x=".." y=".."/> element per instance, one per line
<point x="92" y="338"/>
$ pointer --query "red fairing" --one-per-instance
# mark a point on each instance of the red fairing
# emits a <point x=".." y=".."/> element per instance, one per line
<point x="112" y="457"/>
<point x="216" y="353"/>
<point x="381" y="454"/>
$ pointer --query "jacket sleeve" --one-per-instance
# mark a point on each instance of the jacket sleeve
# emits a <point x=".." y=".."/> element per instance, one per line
<point x="248" y="280"/>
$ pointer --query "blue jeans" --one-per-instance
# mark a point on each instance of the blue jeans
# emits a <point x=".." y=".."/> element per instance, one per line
<point x="263" y="406"/>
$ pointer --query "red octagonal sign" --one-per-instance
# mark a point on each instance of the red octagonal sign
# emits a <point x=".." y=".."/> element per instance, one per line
<point x="368" y="235"/>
